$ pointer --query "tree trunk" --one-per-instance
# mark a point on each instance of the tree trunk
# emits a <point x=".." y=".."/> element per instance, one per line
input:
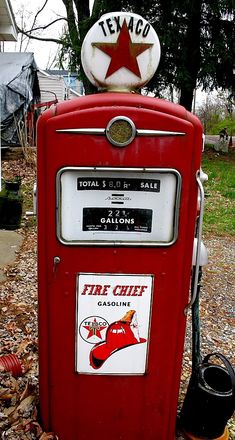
<point x="186" y="96"/>
<point x="191" y="56"/>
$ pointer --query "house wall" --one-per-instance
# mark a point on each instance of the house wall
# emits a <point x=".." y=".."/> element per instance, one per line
<point x="51" y="86"/>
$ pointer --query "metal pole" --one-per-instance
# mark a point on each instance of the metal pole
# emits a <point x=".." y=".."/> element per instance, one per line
<point x="196" y="335"/>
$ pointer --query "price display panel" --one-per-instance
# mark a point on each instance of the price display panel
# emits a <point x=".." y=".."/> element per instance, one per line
<point x="107" y="206"/>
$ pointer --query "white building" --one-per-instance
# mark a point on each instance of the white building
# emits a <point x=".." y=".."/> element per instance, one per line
<point x="8" y="28"/>
<point x="54" y="86"/>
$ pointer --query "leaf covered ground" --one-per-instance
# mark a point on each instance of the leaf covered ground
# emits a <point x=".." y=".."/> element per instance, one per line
<point x="19" y="397"/>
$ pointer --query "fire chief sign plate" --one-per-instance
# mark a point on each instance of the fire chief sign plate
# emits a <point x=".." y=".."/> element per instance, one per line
<point x="120" y="52"/>
<point x="113" y="323"/>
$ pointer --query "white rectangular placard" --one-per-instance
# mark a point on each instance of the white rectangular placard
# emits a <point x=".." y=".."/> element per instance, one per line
<point x="113" y="323"/>
<point x="123" y="207"/>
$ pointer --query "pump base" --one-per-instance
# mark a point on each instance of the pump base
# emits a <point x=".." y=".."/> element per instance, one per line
<point x="189" y="436"/>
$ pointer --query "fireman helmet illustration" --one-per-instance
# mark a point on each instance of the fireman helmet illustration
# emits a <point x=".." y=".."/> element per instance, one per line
<point x="119" y="335"/>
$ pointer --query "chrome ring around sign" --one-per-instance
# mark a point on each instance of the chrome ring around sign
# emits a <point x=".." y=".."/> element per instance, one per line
<point x="120" y="131"/>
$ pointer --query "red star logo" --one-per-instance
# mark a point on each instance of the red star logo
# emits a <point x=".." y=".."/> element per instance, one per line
<point x="123" y="53"/>
<point x="94" y="329"/>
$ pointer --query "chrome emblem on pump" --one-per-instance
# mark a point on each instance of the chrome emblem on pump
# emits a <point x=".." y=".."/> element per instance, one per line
<point x="120" y="131"/>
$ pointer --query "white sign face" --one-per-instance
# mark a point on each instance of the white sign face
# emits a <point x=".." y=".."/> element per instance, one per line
<point x="121" y="207"/>
<point x="120" y="52"/>
<point x="113" y="323"/>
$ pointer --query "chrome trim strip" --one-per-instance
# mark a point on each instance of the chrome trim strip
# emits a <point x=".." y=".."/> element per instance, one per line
<point x="159" y="133"/>
<point x="110" y="243"/>
<point x="82" y="130"/>
<point x="102" y="131"/>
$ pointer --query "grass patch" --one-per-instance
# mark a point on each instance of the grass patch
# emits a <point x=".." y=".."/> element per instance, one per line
<point x="219" y="215"/>
<point x="27" y="191"/>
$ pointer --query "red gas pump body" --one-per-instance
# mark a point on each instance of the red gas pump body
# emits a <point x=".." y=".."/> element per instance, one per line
<point x="111" y="406"/>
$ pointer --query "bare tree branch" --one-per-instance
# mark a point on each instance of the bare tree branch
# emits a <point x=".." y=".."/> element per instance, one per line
<point x="46" y="26"/>
<point x="35" y="18"/>
<point x="33" y="29"/>
<point x="34" y="37"/>
<point x="40" y="10"/>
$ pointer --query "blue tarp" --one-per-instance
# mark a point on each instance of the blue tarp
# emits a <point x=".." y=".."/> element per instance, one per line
<point x="19" y="88"/>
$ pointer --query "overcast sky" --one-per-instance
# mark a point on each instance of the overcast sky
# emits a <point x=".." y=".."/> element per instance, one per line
<point x="44" y="52"/>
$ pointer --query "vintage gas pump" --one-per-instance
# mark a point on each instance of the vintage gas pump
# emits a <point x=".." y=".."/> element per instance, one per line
<point x="118" y="177"/>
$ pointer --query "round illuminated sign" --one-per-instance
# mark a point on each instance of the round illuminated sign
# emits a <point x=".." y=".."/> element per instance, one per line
<point x="120" y="131"/>
<point x="120" y="52"/>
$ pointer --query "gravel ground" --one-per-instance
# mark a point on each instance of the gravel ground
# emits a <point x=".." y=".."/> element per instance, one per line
<point x="19" y="418"/>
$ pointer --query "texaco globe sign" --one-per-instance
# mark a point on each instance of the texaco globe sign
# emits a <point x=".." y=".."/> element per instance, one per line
<point x="120" y="52"/>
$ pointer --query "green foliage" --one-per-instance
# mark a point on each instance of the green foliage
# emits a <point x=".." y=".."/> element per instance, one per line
<point x="220" y="192"/>
<point x="217" y="112"/>
<point x="229" y="123"/>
